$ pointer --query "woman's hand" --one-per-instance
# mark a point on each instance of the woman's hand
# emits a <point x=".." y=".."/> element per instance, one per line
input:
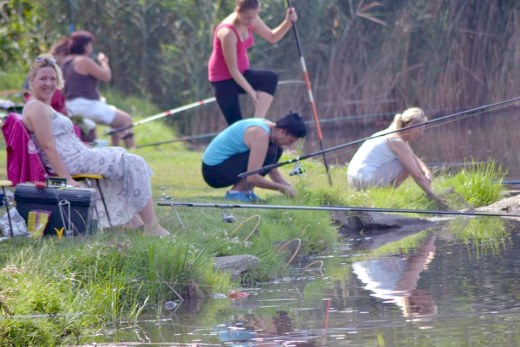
<point x="73" y="183"/>
<point x="254" y="97"/>
<point x="288" y="190"/>
<point x="102" y="58"/>
<point x="291" y="15"/>
<point x="442" y="204"/>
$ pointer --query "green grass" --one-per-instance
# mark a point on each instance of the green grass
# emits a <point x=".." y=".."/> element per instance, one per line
<point x="90" y="283"/>
<point x="11" y="79"/>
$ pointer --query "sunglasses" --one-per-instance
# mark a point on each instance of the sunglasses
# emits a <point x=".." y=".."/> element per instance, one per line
<point x="50" y="61"/>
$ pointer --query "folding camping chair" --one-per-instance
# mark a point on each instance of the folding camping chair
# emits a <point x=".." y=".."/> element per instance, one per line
<point x="23" y="160"/>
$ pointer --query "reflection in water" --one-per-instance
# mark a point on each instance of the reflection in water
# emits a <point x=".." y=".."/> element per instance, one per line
<point x="394" y="279"/>
<point x="474" y="288"/>
<point x="250" y="330"/>
<point x="240" y="332"/>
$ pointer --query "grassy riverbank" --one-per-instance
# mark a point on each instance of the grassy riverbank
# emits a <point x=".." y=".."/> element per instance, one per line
<point x="56" y="291"/>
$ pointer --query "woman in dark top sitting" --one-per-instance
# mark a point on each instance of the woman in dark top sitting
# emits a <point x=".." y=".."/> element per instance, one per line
<point x="81" y="75"/>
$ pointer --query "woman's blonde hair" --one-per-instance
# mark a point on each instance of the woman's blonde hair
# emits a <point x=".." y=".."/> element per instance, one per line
<point x="411" y="116"/>
<point x="46" y="60"/>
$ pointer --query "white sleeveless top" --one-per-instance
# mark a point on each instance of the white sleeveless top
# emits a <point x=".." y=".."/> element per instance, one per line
<point x="372" y="154"/>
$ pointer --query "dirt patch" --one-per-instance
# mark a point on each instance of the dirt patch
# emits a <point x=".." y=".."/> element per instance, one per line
<point x="509" y="205"/>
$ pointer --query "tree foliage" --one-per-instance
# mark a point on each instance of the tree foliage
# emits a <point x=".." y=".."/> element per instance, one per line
<point x="363" y="56"/>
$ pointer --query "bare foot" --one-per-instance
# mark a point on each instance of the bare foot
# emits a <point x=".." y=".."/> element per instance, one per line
<point x="156" y="231"/>
<point x="134" y="223"/>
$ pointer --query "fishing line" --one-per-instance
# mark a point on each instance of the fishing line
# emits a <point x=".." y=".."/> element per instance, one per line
<point x="309" y="123"/>
<point x="180" y="139"/>
<point x="478" y="110"/>
<point x="449" y="121"/>
<point x="253" y="230"/>
<point x="341" y="152"/>
<point x="432" y="126"/>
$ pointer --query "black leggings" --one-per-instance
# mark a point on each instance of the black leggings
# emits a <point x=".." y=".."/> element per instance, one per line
<point x="226" y="173"/>
<point x="227" y="91"/>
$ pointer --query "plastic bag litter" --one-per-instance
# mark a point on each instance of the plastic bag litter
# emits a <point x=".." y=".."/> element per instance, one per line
<point x="19" y="226"/>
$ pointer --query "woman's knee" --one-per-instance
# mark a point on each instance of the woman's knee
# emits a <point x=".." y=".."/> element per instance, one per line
<point x="121" y="119"/>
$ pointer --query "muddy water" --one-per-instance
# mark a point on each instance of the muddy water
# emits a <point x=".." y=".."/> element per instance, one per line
<point x="452" y="285"/>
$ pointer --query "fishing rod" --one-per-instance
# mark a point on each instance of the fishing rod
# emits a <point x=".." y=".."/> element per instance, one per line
<point x="512" y="182"/>
<point x="10" y="92"/>
<point x="205" y="136"/>
<point x="496" y="105"/>
<point x="208" y="135"/>
<point x="181" y="109"/>
<point x="163" y="114"/>
<point x="311" y="97"/>
<point x="307" y="122"/>
<point x="333" y="209"/>
<point x="180" y="139"/>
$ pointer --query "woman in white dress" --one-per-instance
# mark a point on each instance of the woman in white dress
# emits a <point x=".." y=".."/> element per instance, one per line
<point x="126" y="185"/>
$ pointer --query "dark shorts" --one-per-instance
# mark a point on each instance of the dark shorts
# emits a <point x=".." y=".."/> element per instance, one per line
<point x="227" y="91"/>
<point x="226" y="173"/>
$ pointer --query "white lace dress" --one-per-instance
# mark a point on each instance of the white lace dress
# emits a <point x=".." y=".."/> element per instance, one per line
<point x="126" y="186"/>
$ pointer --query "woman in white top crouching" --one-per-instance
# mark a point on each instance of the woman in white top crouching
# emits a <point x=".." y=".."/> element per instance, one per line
<point x="389" y="160"/>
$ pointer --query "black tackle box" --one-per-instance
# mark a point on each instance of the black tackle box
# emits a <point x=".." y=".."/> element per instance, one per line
<point x="66" y="204"/>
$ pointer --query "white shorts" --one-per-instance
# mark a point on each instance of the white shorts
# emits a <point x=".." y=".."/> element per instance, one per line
<point x="383" y="176"/>
<point x="95" y="110"/>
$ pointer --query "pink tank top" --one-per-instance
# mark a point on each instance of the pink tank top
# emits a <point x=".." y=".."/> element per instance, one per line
<point x="217" y="68"/>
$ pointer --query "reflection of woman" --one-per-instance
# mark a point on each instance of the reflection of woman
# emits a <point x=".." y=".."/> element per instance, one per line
<point x="389" y="159"/>
<point x="127" y="177"/>
<point x="242" y="330"/>
<point x="82" y="74"/>
<point x="228" y="67"/>
<point x="395" y="278"/>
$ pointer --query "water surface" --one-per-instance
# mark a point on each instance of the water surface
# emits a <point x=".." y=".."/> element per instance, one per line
<point x="452" y="285"/>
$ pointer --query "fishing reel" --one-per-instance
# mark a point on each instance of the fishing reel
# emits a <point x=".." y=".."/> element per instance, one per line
<point x="228" y="217"/>
<point x="297" y="170"/>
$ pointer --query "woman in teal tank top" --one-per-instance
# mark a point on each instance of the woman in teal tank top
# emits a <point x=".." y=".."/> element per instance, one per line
<point x="248" y="145"/>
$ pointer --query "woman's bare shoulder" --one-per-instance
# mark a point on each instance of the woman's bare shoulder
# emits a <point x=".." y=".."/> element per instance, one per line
<point x="225" y="33"/>
<point x="33" y="106"/>
<point x="34" y="114"/>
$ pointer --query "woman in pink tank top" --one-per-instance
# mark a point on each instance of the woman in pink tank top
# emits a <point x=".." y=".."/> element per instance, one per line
<point x="228" y="66"/>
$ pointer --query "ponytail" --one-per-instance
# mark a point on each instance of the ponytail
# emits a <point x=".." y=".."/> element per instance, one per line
<point x="411" y="116"/>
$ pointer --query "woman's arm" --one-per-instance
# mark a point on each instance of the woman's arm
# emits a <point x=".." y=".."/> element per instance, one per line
<point x="38" y="120"/>
<point x="273" y="36"/>
<point x="86" y="65"/>
<point x="427" y="173"/>
<point x="287" y="188"/>
<point x="406" y="156"/>
<point x="228" y="40"/>
<point x="257" y="140"/>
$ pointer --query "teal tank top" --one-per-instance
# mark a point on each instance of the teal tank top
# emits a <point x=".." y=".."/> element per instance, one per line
<point x="231" y="141"/>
